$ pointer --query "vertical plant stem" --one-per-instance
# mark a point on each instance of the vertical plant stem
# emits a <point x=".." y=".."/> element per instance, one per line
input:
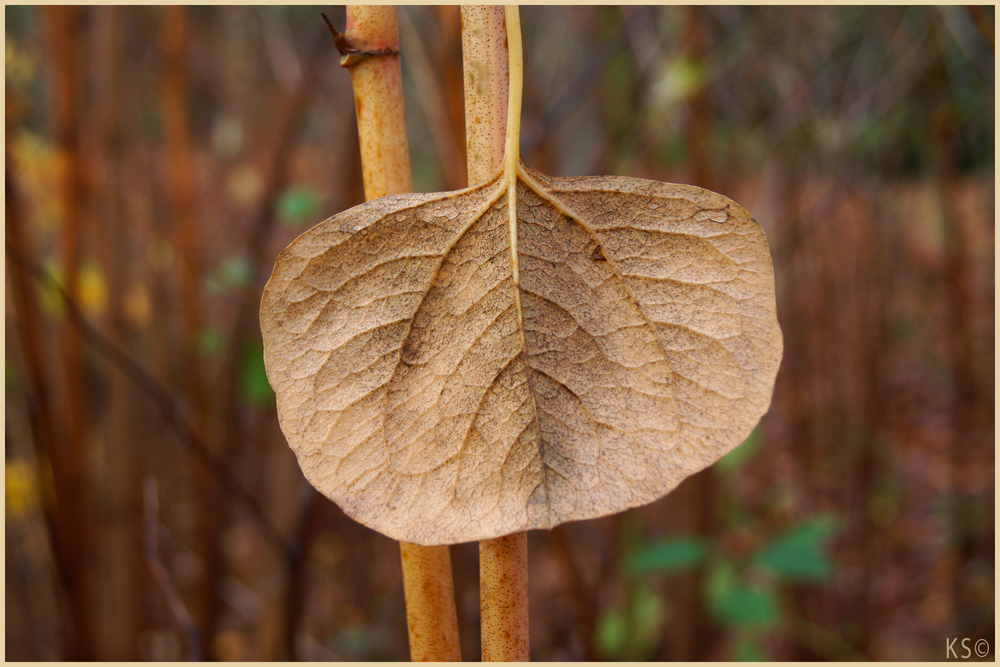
<point x="205" y="602"/>
<point x="372" y="42"/>
<point x="503" y="598"/>
<point x="487" y="62"/>
<point x="73" y="546"/>
<point x="371" y="53"/>
<point x="431" y="615"/>
<point x="125" y="589"/>
<point x="487" y="79"/>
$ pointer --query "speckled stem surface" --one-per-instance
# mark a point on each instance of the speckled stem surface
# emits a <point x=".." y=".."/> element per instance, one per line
<point x="430" y="603"/>
<point x="490" y="51"/>
<point x="378" y="95"/>
<point x="503" y="603"/>
<point x="378" y="99"/>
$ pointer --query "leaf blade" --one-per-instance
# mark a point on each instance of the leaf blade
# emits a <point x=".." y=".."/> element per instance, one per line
<point x="437" y="400"/>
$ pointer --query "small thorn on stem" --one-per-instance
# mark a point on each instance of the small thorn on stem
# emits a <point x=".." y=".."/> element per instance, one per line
<point x="338" y="37"/>
<point x="350" y="56"/>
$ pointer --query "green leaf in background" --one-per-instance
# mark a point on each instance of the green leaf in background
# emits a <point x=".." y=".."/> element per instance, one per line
<point x="800" y="554"/>
<point x="211" y="341"/>
<point x="612" y="633"/>
<point x="748" y="649"/>
<point x="742" y="605"/>
<point x="667" y="555"/>
<point x="298" y="206"/>
<point x="9" y="375"/>
<point x="678" y="82"/>
<point x="52" y="301"/>
<point x="620" y="637"/>
<point x="649" y="614"/>
<point x="735" y="459"/>
<point x="254" y="386"/>
<point x="735" y="603"/>
<point x="234" y="271"/>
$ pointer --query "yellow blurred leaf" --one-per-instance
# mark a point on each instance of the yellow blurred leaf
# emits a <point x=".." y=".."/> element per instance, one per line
<point x="21" y="488"/>
<point x="92" y="291"/>
<point x="19" y="66"/>
<point x="35" y="159"/>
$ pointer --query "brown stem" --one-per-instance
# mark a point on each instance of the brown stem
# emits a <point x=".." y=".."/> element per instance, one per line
<point x="206" y="603"/>
<point x="503" y="598"/>
<point x="125" y="619"/>
<point x="72" y="544"/>
<point x="370" y="48"/>
<point x="168" y="408"/>
<point x="503" y="562"/>
<point x="487" y="77"/>
<point x="430" y="603"/>
<point x="373" y="59"/>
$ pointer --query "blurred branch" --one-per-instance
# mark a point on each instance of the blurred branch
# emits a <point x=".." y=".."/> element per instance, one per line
<point x="205" y="603"/>
<point x="433" y="102"/>
<point x="280" y="45"/>
<point x="74" y="520"/>
<point x="166" y="404"/>
<point x="970" y="41"/>
<point x="170" y="593"/>
<point x="584" y="596"/>
<point x="275" y="179"/>
<point x="570" y="99"/>
<point x="303" y="536"/>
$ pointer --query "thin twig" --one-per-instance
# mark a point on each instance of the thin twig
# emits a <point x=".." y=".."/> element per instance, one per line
<point x="162" y="399"/>
<point x="167" y="587"/>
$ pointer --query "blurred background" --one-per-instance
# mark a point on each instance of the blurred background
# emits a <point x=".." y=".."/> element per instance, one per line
<point x="157" y="160"/>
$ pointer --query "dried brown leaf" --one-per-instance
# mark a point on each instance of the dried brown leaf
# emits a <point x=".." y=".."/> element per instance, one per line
<point x="441" y="388"/>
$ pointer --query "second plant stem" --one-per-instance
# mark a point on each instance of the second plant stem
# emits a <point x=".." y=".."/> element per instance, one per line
<point x="492" y="64"/>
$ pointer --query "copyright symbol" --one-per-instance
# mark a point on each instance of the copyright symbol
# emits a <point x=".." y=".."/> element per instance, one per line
<point x="982" y="648"/>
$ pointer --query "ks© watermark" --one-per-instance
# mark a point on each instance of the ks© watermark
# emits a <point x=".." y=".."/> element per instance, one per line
<point x="959" y="648"/>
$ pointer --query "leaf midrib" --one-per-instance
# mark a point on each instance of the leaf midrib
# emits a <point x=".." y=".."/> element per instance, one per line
<point x="501" y="184"/>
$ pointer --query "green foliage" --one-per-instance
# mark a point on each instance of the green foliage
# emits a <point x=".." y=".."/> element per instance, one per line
<point x="233" y="272"/>
<point x="254" y="386"/>
<point x="9" y="375"/>
<point x="52" y="300"/>
<point x="748" y="648"/>
<point x="631" y="633"/>
<point x="741" y="591"/>
<point x="678" y="82"/>
<point x="211" y="342"/>
<point x="734" y="460"/>
<point x="734" y="602"/>
<point x="800" y="553"/>
<point x="612" y="633"/>
<point x="667" y="555"/>
<point x="298" y="206"/>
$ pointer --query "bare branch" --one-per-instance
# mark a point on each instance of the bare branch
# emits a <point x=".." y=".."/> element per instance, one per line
<point x="162" y="399"/>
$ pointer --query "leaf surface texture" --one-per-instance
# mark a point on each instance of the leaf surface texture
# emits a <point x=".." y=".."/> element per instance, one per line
<point x="447" y="372"/>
